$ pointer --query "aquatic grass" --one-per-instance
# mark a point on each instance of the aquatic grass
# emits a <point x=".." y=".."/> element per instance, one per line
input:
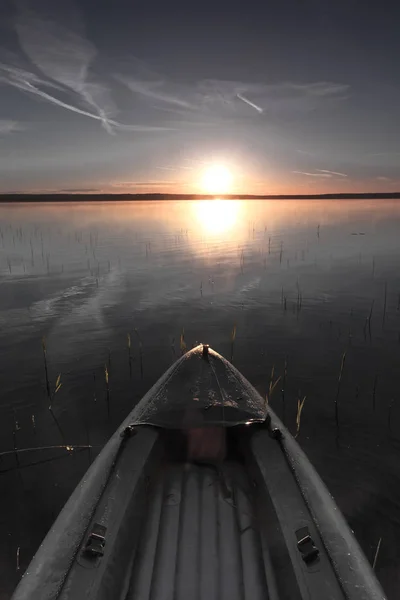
<point x="58" y="384"/>
<point x="299" y="298"/>
<point x="368" y="320"/>
<point x="46" y="370"/>
<point x="272" y="385"/>
<point x="389" y="422"/>
<point x="107" y="382"/>
<point x="94" y="387"/>
<point x="182" y="342"/>
<point x="384" y="306"/>
<point x="283" y="389"/>
<point x="57" y="388"/>
<point x="338" y="389"/>
<point x="14" y="435"/>
<point x="140" y="352"/>
<point x="300" y="406"/>
<point x="378" y="547"/>
<point x="233" y="337"/>
<point x="87" y="432"/>
<point x="173" y="348"/>
<point x="128" y="337"/>
<point x="68" y="447"/>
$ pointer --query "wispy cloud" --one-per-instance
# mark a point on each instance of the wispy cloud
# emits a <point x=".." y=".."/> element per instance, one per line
<point x="8" y="126"/>
<point x="79" y="190"/>
<point x="211" y="97"/>
<point x="155" y="91"/>
<point x="381" y="178"/>
<point x="320" y="88"/>
<point x="383" y="154"/>
<point x="55" y="43"/>
<point x="177" y="168"/>
<point x="332" y="172"/>
<point x="125" y="184"/>
<point x="53" y="39"/>
<point x="29" y="82"/>
<point x="300" y="151"/>
<point x="326" y="175"/>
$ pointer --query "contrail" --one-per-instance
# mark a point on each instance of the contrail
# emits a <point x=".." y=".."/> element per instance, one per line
<point x="246" y="101"/>
<point x="139" y="87"/>
<point x="109" y="124"/>
<point x="313" y="174"/>
<point x="28" y="87"/>
<point x="332" y="172"/>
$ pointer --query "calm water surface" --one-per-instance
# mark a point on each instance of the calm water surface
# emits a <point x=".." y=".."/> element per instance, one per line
<point x="302" y="281"/>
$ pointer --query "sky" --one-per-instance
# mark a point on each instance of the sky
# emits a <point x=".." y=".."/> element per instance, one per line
<point x="276" y="96"/>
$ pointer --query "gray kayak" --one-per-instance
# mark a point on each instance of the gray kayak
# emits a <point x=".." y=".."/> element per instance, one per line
<point x="200" y="494"/>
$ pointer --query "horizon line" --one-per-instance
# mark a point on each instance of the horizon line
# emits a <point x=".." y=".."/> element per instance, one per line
<point x="101" y="196"/>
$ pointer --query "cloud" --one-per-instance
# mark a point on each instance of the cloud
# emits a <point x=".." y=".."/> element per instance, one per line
<point x="332" y="172"/>
<point x="321" y="88"/>
<point x="154" y="90"/>
<point x="52" y="36"/>
<point x="143" y="183"/>
<point x="8" y="126"/>
<point x="54" y="41"/>
<point x="219" y="98"/>
<point x="79" y="190"/>
<point x="323" y="173"/>
<point x="179" y="167"/>
<point x="305" y="152"/>
<point x="383" y="154"/>
<point x="326" y="175"/>
<point x="29" y="82"/>
<point x="270" y="99"/>
<point x="381" y="178"/>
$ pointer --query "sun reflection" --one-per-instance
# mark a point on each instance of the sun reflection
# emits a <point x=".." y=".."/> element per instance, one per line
<point x="217" y="216"/>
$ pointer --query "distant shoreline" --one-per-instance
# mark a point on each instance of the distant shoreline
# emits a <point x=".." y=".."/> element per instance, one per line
<point x="39" y="198"/>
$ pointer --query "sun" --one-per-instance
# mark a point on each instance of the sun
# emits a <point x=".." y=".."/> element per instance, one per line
<point x="217" y="179"/>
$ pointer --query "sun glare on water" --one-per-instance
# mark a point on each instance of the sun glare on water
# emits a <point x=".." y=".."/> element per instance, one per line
<point x="217" y="179"/>
<point x="217" y="216"/>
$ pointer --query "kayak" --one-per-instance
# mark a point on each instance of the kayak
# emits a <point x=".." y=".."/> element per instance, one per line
<point x="201" y="493"/>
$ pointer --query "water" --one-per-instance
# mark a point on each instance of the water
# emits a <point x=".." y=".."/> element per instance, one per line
<point x="298" y="279"/>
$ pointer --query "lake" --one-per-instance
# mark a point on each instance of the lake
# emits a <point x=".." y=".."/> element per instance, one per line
<point x="116" y="291"/>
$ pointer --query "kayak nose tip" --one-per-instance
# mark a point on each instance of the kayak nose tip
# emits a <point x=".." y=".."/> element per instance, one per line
<point x="205" y="350"/>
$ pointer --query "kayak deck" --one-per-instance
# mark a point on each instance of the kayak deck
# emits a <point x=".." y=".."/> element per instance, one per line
<point x="202" y="494"/>
<point x="199" y="539"/>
